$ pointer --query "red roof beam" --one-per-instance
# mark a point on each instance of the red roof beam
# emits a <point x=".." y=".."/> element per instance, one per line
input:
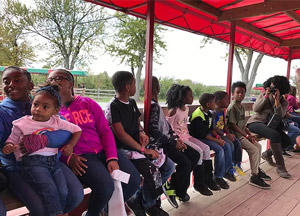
<point x="291" y="43"/>
<point x="216" y="12"/>
<point x="258" y="9"/>
<point x="293" y="15"/>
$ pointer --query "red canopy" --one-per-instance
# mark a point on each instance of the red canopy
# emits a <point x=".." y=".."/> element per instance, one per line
<point x="270" y="27"/>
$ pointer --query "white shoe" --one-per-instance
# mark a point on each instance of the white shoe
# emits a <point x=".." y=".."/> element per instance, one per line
<point x="84" y="213"/>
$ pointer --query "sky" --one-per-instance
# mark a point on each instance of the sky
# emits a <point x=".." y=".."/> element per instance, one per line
<point x="185" y="60"/>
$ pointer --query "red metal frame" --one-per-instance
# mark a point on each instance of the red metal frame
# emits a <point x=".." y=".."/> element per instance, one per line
<point x="149" y="62"/>
<point x="289" y="63"/>
<point x="230" y="57"/>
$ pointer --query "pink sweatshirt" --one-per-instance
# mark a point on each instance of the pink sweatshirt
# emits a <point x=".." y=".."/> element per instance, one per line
<point x="96" y="134"/>
<point x="26" y="126"/>
<point x="293" y="105"/>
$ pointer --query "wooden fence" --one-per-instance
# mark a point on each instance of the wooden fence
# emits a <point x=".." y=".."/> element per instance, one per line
<point x="95" y="94"/>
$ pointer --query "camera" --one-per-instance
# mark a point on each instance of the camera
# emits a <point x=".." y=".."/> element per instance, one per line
<point x="272" y="90"/>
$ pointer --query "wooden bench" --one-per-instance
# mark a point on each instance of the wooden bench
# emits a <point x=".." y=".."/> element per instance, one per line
<point x="13" y="204"/>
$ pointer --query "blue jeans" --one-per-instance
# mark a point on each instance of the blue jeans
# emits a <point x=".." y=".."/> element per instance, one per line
<point x="46" y="176"/>
<point x="293" y="133"/>
<point x="99" y="180"/>
<point x="236" y="148"/>
<point x="223" y="157"/>
<point x="28" y="195"/>
<point x="2" y="209"/>
<point x="295" y="117"/>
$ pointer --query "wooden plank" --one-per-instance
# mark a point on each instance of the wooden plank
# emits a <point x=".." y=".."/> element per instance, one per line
<point x="285" y="203"/>
<point x="257" y="31"/>
<point x="290" y="43"/>
<point x="293" y="15"/>
<point x="295" y="211"/>
<point x="231" y="201"/>
<point x="199" y="203"/>
<point x="257" y="203"/>
<point x="203" y="7"/>
<point x="258" y="9"/>
<point x="236" y="198"/>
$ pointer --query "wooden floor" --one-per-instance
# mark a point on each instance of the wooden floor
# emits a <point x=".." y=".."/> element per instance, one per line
<point x="243" y="199"/>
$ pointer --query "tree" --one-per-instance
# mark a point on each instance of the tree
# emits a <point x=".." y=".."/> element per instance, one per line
<point x="128" y="44"/>
<point x="72" y="28"/>
<point x="244" y="58"/>
<point x="247" y="55"/>
<point x="197" y="88"/>
<point x="14" y="49"/>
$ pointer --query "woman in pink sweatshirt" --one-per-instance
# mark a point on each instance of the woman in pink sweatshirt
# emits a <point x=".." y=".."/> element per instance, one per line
<point x="95" y="155"/>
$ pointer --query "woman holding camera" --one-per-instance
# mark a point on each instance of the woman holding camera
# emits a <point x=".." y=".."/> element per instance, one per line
<point x="269" y="103"/>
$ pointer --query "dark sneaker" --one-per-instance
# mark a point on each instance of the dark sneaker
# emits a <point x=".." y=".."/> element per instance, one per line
<point x="203" y="189"/>
<point x="263" y="175"/>
<point x="222" y="183"/>
<point x="212" y="185"/>
<point x="296" y="150"/>
<point x="156" y="211"/>
<point x="283" y="173"/>
<point x="284" y="153"/>
<point x="135" y="205"/>
<point x="185" y="198"/>
<point x="268" y="158"/>
<point x="170" y="194"/>
<point x="259" y="182"/>
<point x="230" y="176"/>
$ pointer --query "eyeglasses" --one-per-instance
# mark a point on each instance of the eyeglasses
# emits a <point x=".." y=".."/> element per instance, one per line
<point x="57" y="79"/>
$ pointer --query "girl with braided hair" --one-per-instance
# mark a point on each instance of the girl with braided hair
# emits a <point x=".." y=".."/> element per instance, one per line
<point x="41" y="168"/>
<point x="177" y="98"/>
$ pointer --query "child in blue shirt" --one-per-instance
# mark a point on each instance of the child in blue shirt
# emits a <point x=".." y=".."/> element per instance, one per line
<point x="222" y="102"/>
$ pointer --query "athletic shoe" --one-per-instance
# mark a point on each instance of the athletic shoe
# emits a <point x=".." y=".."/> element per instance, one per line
<point x="259" y="182"/>
<point x="222" y="183"/>
<point x="185" y="198"/>
<point x="282" y="172"/>
<point x="284" y="153"/>
<point x="263" y="175"/>
<point x="103" y="213"/>
<point x="212" y="185"/>
<point x="238" y="168"/>
<point x="268" y="158"/>
<point x="296" y="150"/>
<point x="170" y="194"/>
<point x="156" y="211"/>
<point x="203" y="189"/>
<point x="84" y="213"/>
<point x="135" y="205"/>
<point x="230" y="176"/>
